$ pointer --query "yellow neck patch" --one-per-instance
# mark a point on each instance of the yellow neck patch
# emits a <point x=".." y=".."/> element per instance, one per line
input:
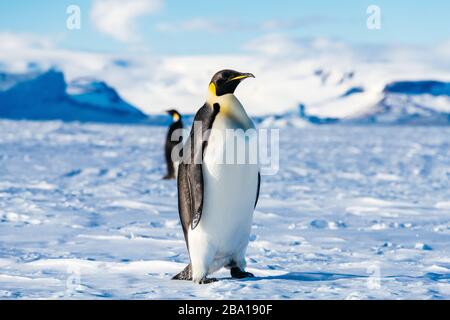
<point x="212" y="88"/>
<point x="176" y="117"/>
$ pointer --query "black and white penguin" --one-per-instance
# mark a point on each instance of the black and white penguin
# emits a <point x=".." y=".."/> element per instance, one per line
<point x="216" y="200"/>
<point x="172" y="142"/>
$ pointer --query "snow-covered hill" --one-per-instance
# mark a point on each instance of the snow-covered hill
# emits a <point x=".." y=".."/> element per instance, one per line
<point x="47" y="96"/>
<point x="423" y="102"/>
<point x="411" y="102"/>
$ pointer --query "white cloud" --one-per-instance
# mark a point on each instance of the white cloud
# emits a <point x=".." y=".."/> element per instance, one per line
<point x="14" y="41"/>
<point x="116" y="18"/>
<point x="443" y="51"/>
<point x="207" y="25"/>
<point x="274" y="44"/>
<point x="19" y="51"/>
<point x="281" y="45"/>
<point x="201" y="25"/>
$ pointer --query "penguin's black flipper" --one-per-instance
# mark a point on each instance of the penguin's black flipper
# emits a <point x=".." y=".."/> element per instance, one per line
<point x="190" y="171"/>
<point x="190" y="195"/>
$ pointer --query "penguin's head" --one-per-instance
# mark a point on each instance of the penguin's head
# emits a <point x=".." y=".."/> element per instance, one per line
<point x="176" y="116"/>
<point x="226" y="81"/>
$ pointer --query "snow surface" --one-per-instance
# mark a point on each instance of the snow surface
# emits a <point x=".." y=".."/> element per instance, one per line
<point x="354" y="212"/>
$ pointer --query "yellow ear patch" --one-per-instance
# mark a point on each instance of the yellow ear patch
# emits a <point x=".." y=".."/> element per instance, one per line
<point x="212" y="88"/>
<point x="176" y="117"/>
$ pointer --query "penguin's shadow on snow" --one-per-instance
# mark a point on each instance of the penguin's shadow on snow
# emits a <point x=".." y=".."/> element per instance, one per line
<point x="307" y="276"/>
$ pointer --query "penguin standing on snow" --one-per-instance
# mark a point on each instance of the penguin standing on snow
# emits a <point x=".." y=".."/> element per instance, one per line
<point x="172" y="164"/>
<point x="216" y="200"/>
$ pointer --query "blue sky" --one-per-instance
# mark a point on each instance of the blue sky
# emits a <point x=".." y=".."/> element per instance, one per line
<point x="214" y="27"/>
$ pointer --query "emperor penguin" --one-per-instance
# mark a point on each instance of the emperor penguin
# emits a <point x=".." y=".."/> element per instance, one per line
<point x="171" y="143"/>
<point x="216" y="199"/>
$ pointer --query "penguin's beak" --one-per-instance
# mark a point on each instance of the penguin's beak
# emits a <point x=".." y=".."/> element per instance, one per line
<point x="242" y="76"/>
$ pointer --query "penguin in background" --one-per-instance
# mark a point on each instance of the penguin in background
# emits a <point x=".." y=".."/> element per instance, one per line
<point x="177" y="123"/>
<point x="215" y="200"/>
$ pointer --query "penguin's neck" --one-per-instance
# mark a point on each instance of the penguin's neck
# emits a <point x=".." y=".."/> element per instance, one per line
<point x="231" y="109"/>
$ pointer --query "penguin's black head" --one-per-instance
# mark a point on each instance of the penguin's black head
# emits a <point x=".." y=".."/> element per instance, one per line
<point x="174" y="114"/>
<point x="226" y="81"/>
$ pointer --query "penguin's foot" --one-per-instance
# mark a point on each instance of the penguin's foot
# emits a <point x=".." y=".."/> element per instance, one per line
<point x="169" y="177"/>
<point x="239" y="274"/>
<point x="208" y="280"/>
<point x="186" y="274"/>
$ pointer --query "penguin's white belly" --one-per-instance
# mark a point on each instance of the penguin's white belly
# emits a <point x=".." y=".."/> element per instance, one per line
<point x="228" y="204"/>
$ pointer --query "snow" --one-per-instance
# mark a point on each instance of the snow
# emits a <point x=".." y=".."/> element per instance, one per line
<point x="353" y="213"/>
